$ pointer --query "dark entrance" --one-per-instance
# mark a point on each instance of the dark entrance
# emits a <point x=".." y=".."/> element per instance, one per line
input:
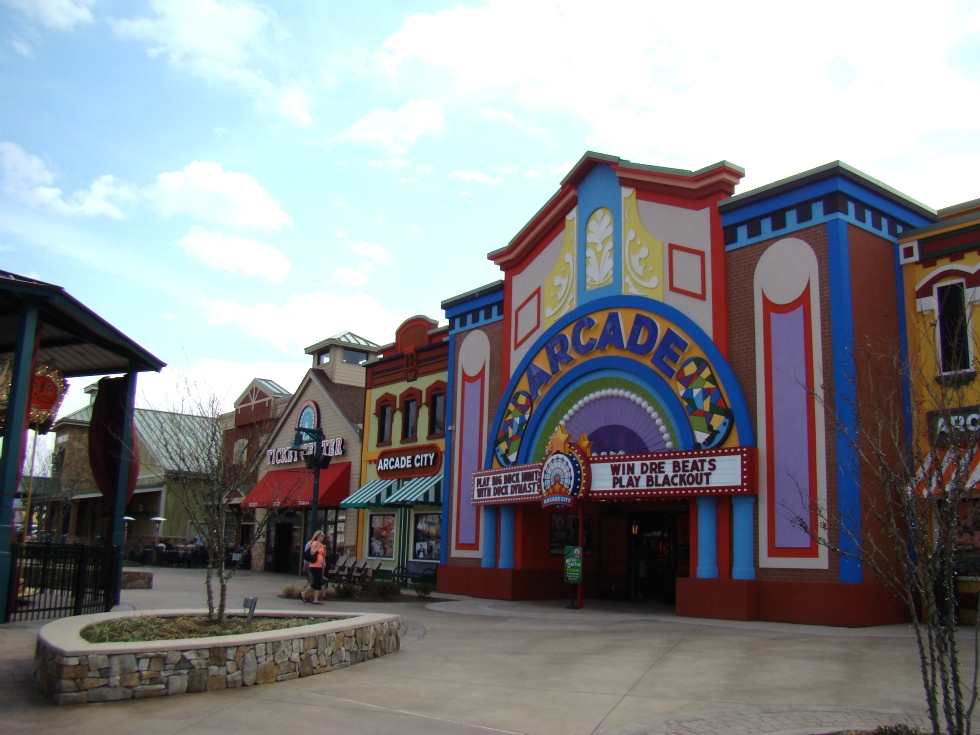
<point x="641" y="553"/>
<point x="653" y="557"/>
<point x="283" y="550"/>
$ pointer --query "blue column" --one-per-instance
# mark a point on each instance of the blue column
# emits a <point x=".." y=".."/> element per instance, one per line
<point x="743" y="563"/>
<point x="14" y="435"/>
<point x="707" y="538"/>
<point x="507" y="515"/>
<point x="489" y="537"/>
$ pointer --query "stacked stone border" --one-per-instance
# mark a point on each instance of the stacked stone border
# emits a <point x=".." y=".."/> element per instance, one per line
<point x="70" y="670"/>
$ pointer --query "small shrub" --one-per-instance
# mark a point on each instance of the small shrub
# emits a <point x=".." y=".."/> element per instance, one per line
<point x="345" y="591"/>
<point x="386" y="588"/>
<point x="424" y="590"/>
<point x="900" y="729"/>
<point x="292" y="591"/>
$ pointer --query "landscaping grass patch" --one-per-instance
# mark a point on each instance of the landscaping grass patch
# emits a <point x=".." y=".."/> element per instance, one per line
<point x="150" y="628"/>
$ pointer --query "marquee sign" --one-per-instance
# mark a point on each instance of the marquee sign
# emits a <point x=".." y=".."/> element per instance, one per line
<point x="729" y="471"/>
<point x="47" y="392"/>
<point x="672" y="474"/>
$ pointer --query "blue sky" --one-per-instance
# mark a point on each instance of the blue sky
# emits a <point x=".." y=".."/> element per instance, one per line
<point x="228" y="182"/>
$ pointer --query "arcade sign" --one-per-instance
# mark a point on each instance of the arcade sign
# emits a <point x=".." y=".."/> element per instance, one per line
<point x="420" y="461"/>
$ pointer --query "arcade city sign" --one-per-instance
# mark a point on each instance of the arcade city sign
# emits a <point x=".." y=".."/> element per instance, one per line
<point x="420" y="461"/>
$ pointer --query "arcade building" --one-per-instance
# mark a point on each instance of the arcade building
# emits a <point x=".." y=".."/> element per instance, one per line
<point x="660" y="375"/>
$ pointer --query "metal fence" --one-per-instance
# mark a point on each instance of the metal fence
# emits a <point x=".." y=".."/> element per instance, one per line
<point x="57" y="580"/>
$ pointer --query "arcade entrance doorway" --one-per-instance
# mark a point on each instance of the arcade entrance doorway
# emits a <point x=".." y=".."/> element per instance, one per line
<point x="642" y="552"/>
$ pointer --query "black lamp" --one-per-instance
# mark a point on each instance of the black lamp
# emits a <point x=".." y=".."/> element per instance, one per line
<point x="316" y="462"/>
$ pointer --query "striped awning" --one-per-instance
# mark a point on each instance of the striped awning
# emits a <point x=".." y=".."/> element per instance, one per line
<point x="957" y="466"/>
<point x="366" y="496"/>
<point x="422" y="490"/>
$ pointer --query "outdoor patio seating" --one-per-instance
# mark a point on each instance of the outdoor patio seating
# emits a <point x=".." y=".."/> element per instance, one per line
<point x="341" y="572"/>
<point x="360" y="575"/>
<point x="354" y="571"/>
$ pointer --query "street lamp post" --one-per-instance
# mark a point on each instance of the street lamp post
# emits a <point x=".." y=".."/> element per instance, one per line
<point x="319" y="461"/>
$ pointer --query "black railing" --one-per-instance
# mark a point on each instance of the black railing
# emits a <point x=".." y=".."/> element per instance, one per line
<point x="57" y="580"/>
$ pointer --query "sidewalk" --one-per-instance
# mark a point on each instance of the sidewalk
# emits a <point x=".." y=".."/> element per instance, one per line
<point x="482" y="666"/>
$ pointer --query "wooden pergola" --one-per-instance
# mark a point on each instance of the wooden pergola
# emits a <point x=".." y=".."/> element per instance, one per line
<point x="42" y="323"/>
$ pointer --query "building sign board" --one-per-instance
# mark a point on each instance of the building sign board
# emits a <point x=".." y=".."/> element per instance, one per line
<point x="284" y="455"/>
<point x="954" y="424"/>
<point x="730" y="471"/>
<point x="420" y="461"/>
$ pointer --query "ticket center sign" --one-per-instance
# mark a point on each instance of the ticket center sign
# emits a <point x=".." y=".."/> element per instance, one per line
<point x="730" y="471"/>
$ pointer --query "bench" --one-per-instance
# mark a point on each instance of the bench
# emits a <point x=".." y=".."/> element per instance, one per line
<point x="415" y="573"/>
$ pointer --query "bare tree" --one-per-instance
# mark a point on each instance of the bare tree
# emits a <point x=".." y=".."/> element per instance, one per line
<point x="205" y="477"/>
<point x="916" y="450"/>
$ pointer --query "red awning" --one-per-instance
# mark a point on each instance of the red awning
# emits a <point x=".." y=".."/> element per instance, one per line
<point x="294" y="488"/>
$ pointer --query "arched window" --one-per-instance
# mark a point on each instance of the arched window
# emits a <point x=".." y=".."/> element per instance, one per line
<point x="384" y="411"/>
<point x="435" y="401"/>
<point x="409" y="402"/>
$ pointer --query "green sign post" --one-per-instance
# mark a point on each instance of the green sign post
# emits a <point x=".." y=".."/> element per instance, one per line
<point x="573" y="564"/>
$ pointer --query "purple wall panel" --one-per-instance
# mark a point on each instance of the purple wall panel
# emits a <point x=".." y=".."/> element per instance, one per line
<point x="790" y="441"/>
<point x="470" y="452"/>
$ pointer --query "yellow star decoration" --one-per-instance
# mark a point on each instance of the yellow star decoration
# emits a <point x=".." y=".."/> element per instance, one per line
<point x="559" y="440"/>
<point x="585" y="445"/>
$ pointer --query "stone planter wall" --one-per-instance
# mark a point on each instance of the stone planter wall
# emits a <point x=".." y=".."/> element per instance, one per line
<point x="70" y="670"/>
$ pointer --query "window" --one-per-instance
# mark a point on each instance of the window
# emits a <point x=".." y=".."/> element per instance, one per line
<point x="240" y="452"/>
<point x="410" y="418"/>
<point x="323" y="358"/>
<point x="355" y="356"/>
<point x="437" y="414"/>
<point x="384" y="423"/>
<point x="954" y="345"/>
<point x="381" y="544"/>
<point x="427" y="536"/>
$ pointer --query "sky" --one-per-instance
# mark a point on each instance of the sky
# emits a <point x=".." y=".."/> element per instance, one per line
<point x="229" y="182"/>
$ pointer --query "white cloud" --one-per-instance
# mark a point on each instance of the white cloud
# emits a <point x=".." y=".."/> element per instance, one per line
<point x="205" y="191"/>
<point x="378" y="254"/>
<point x="23" y="48"/>
<point x="306" y="318"/>
<point x="235" y="254"/>
<point x="341" y="203"/>
<point x="396" y="130"/>
<point x="353" y="276"/>
<point x="339" y="233"/>
<point x="26" y="177"/>
<point x="508" y="118"/>
<point x="475" y="176"/>
<point x="410" y="180"/>
<point x="220" y="41"/>
<point x="656" y="97"/>
<point x="62" y="15"/>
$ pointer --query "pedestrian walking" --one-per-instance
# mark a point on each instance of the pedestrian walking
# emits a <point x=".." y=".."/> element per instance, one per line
<point x="315" y="556"/>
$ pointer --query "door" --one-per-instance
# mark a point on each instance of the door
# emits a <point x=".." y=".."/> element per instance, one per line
<point x="284" y="548"/>
<point x="653" y="556"/>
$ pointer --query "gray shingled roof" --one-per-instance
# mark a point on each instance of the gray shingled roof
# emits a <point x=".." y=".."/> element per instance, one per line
<point x="347" y="339"/>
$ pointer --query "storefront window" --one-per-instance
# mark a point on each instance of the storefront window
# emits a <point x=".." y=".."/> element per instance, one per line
<point x="382" y="541"/>
<point x="427" y="536"/>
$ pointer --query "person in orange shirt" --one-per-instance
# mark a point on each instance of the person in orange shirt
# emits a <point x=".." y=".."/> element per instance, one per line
<point x="311" y="593"/>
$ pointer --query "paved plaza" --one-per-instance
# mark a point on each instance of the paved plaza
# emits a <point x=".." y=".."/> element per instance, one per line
<point x="484" y="666"/>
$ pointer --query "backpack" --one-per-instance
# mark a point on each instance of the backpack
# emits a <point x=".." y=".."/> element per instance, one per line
<point x="309" y="554"/>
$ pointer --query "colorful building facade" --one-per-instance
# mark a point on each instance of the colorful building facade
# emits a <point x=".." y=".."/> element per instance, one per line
<point x="398" y="508"/>
<point x="656" y="375"/>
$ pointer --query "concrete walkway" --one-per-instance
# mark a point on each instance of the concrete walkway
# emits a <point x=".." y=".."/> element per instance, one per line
<point x="480" y="666"/>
